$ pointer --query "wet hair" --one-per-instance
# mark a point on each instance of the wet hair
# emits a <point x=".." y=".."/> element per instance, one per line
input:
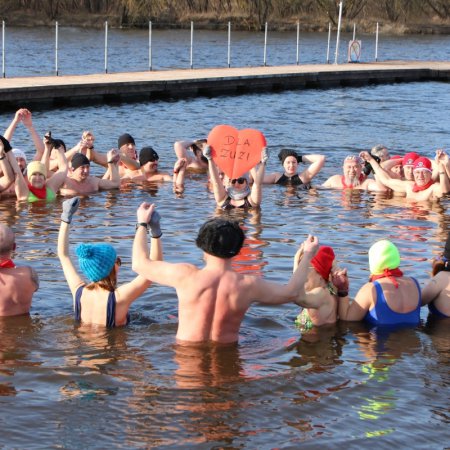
<point x="109" y="283"/>
<point x="197" y="147"/>
<point x="87" y="133"/>
<point x="221" y="238"/>
<point x="56" y="143"/>
<point x="286" y="152"/>
<point x="377" y="150"/>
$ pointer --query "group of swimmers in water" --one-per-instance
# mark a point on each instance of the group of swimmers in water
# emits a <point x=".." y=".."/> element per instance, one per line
<point x="213" y="300"/>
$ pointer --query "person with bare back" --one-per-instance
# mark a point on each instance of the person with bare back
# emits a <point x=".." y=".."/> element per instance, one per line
<point x="214" y="299"/>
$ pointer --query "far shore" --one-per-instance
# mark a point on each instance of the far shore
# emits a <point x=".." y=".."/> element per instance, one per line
<point x="428" y="26"/>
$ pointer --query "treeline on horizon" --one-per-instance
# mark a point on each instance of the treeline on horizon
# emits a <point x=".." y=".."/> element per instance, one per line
<point x="250" y="14"/>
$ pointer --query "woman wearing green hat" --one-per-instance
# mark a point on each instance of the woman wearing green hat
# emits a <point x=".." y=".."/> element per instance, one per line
<point x="101" y="301"/>
<point x="389" y="298"/>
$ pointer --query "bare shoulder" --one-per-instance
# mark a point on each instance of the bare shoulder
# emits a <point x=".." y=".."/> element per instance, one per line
<point x="333" y="181"/>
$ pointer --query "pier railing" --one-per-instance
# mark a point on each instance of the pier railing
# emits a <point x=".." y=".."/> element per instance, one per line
<point x="270" y="47"/>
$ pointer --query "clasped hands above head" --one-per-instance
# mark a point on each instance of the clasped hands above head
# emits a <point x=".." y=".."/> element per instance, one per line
<point x="441" y="156"/>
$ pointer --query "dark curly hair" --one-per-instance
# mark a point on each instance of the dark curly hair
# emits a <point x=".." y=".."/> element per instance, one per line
<point x="221" y="238"/>
<point x="285" y="152"/>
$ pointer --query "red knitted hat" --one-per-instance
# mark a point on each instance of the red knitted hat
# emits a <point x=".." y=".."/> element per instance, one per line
<point x="409" y="158"/>
<point x="323" y="261"/>
<point x="422" y="163"/>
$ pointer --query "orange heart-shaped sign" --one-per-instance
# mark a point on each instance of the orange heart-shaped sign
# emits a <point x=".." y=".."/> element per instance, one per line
<point x="235" y="151"/>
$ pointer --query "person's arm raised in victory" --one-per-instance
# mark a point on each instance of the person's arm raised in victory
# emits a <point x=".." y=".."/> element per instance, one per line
<point x="316" y="162"/>
<point x="5" y="167"/>
<point x="111" y="179"/>
<point x="220" y="194"/>
<point x="276" y="294"/>
<point x="258" y="177"/>
<point x="72" y="277"/>
<point x="135" y="288"/>
<point x="161" y="272"/>
<point x="382" y="176"/>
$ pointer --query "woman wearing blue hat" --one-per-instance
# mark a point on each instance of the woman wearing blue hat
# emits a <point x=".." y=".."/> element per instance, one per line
<point x="389" y="298"/>
<point x="101" y="301"/>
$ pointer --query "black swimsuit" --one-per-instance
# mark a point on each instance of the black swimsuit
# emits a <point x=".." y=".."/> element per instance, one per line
<point x="227" y="205"/>
<point x="292" y="181"/>
<point x="110" y="308"/>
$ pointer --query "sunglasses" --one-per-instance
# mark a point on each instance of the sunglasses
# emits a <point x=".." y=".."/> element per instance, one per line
<point x="239" y="180"/>
<point x="118" y="261"/>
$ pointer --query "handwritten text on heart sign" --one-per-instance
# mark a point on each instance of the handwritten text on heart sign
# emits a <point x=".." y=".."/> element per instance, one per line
<point x="236" y="152"/>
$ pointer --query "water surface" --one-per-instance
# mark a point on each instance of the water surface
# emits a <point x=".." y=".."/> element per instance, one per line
<point x="346" y="385"/>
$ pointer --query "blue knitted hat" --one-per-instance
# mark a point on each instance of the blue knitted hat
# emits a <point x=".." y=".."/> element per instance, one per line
<point x="96" y="260"/>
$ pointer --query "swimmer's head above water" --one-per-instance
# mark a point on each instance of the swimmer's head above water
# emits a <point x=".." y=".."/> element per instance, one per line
<point x="221" y="238"/>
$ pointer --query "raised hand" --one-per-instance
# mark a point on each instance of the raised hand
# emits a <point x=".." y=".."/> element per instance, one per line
<point x="207" y="152"/>
<point x="311" y="244"/>
<point x="144" y="212"/>
<point x="340" y="279"/>
<point x="264" y="155"/>
<point x="179" y="165"/>
<point x="69" y="207"/>
<point x="155" y="227"/>
<point x="366" y="156"/>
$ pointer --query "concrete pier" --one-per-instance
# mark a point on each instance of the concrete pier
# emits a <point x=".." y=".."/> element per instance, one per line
<point x="76" y="90"/>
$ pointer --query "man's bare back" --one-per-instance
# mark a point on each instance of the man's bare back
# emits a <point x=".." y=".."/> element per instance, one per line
<point x="214" y="299"/>
<point x="17" y="283"/>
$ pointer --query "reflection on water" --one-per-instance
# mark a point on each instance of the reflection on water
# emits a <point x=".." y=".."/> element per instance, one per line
<point x="344" y="385"/>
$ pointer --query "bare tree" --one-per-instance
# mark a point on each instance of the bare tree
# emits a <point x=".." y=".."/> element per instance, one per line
<point x="439" y="7"/>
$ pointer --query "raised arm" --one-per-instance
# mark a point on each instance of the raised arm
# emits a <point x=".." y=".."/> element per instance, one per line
<point x="258" y="176"/>
<point x="382" y="176"/>
<point x="181" y="150"/>
<point x="443" y="167"/>
<point x="59" y="178"/>
<point x="220" y="194"/>
<point x="5" y="167"/>
<point x="111" y="180"/>
<point x="179" y="172"/>
<point x="81" y="147"/>
<point x="20" y="185"/>
<point x="132" y="290"/>
<point x="9" y="132"/>
<point x="309" y="299"/>
<point x="38" y="144"/>
<point x="274" y="293"/>
<point x="160" y="272"/>
<point x="316" y="162"/>
<point x="73" y="279"/>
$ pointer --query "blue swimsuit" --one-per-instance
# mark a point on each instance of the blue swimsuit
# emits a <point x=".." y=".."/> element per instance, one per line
<point x="110" y="308"/>
<point x="432" y="308"/>
<point x="382" y="314"/>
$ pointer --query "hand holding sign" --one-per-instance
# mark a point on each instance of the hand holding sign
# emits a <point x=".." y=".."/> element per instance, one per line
<point x="236" y="151"/>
